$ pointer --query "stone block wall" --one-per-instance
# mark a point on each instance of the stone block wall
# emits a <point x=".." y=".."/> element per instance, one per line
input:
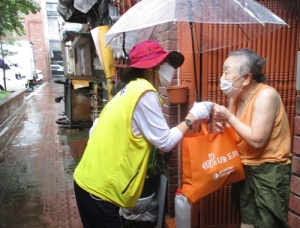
<point x="294" y="203"/>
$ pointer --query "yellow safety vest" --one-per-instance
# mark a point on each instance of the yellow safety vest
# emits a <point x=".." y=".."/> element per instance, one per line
<point x="114" y="163"/>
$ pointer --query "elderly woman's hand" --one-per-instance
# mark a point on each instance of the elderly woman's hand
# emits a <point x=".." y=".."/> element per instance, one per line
<point x="221" y="116"/>
<point x="220" y="113"/>
<point x="218" y="126"/>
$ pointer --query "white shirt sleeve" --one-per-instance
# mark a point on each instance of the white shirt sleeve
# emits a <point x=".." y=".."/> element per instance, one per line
<point x="93" y="127"/>
<point x="148" y="120"/>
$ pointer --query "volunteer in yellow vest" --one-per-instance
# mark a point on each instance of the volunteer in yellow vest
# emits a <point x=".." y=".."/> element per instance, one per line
<point x="257" y="114"/>
<point x="112" y="170"/>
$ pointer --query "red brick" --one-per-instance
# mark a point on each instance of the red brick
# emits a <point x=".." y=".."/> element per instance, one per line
<point x="173" y="162"/>
<point x="296" y="145"/>
<point x="171" y="45"/>
<point x="295" y="184"/>
<point x="172" y="168"/>
<point x="296" y="165"/>
<point x="293" y="220"/>
<point x="163" y="91"/>
<point x="172" y="154"/>
<point x="171" y="110"/>
<point x="171" y="119"/>
<point x="294" y="204"/>
<point x="171" y="197"/>
<point x="172" y="188"/>
<point x="162" y="27"/>
<point x="297" y="125"/>
<point x="165" y="99"/>
<point x="171" y="179"/>
<point x="298" y="104"/>
<point x="170" y="35"/>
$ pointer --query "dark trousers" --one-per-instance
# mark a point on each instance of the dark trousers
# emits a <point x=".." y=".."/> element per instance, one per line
<point x="95" y="212"/>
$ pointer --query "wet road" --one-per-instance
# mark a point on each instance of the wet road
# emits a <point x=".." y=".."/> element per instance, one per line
<point x="36" y="183"/>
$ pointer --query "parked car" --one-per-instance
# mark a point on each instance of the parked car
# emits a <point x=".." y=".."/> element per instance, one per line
<point x="13" y="77"/>
<point x="39" y="76"/>
<point x="61" y="63"/>
<point x="57" y="70"/>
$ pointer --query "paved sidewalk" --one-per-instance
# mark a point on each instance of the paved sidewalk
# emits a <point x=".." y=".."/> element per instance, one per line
<point x="36" y="183"/>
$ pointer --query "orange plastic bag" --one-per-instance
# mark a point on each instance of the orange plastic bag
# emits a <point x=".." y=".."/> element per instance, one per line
<point x="209" y="162"/>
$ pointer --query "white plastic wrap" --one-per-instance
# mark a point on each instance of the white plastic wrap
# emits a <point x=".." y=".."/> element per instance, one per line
<point x="141" y="212"/>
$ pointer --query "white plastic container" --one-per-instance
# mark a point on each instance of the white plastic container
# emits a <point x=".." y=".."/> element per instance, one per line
<point x="182" y="211"/>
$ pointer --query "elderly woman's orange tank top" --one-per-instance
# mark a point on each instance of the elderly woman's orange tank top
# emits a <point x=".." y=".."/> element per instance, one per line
<point x="278" y="148"/>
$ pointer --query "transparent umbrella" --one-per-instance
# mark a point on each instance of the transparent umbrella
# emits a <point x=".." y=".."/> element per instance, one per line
<point x="140" y="21"/>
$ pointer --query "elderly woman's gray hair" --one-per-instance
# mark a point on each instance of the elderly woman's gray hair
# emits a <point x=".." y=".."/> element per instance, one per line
<point x="252" y="63"/>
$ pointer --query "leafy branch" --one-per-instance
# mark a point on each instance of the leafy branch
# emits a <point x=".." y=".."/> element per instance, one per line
<point x="154" y="166"/>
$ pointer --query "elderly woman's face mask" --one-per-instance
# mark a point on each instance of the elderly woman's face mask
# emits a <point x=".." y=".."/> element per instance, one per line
<point x="166" y="74"/>
<point x="228" y="89"/>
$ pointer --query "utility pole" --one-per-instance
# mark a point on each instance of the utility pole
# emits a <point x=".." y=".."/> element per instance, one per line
<point x="2" y="55"/>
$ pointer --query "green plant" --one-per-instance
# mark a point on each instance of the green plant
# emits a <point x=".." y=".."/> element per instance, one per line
<point x="154" y="165"/>
<point x="4" y="94"/>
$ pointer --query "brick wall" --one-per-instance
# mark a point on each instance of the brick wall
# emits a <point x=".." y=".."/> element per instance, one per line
<point x="36" y="33"/>
<point x="166" y="34"/>
<point x="170" y="160"/>
<point x="11" y="104"/>
<point x="294" y="204"/>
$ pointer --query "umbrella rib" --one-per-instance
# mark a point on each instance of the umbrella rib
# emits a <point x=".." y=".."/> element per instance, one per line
<point x="249" y="12"/>
<point x="245" y="32"/>
<point x="152" y="32"/>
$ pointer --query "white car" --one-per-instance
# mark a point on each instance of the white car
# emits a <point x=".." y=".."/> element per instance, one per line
<point x="13" y="78"/>
<point x="57" y="70"/>
<point x="39" y="76"/>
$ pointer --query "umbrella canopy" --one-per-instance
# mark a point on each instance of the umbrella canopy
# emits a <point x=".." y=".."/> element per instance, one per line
<point x="139" y="22"/>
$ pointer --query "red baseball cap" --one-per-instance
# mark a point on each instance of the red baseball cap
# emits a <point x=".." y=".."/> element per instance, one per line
<point x="149" y="54"/>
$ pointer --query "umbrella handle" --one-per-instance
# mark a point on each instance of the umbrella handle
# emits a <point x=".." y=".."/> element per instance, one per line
<point x="194" y="62"/>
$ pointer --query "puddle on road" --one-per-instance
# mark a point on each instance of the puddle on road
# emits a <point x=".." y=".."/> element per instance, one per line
<point x="76" y="140"/>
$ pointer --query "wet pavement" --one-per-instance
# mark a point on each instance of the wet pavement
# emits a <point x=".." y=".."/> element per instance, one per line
<point x="36" y="182"/>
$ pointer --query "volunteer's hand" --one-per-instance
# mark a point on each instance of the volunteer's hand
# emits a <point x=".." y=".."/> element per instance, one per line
<point x="201" y="110"/>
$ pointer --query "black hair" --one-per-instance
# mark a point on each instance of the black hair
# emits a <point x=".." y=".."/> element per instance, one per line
<point x="117" y="87"/>
<point x="251" y="63"/>
<point x="130" y="74"/>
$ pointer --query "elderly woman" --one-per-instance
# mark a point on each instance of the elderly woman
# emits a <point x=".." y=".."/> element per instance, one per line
<point x="257" y="114"/>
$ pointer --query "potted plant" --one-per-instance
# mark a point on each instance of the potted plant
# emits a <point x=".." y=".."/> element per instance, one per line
<point x="153" y="171"/>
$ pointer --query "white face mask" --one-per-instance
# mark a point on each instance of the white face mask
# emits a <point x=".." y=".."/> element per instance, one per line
<point x="228" y="89"/>
<point x="166" y="73"/>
